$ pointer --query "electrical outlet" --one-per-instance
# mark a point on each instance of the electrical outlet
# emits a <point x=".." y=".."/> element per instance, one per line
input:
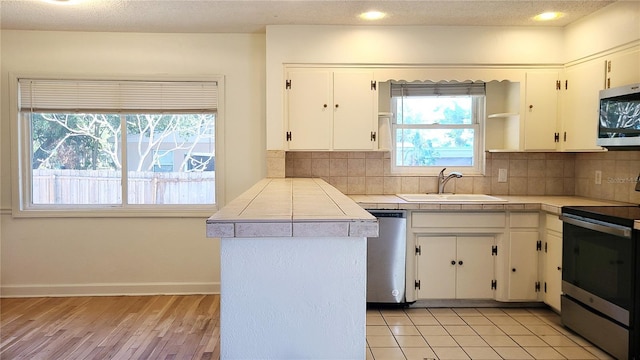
<point x="598" y="177"/>
<point x="502" y="175"/>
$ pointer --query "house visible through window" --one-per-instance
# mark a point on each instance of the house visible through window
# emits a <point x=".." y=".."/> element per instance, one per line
<point x="116" y="143"/>
<point x="163" y="161"/>
<point x="437" y="125"/>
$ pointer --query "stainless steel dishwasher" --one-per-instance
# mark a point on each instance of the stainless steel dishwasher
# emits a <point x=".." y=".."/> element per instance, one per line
<point x="386" y="258"/>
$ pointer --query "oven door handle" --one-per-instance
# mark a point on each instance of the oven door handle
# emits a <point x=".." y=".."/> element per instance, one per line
<point x="612" y="229"/>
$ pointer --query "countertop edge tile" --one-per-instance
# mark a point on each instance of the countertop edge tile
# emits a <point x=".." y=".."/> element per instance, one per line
<point x="551" y="204"/>
<point x="292" y="207"/>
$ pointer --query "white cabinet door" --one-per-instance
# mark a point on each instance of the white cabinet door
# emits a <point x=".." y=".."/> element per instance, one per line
<point x="580" y="105"/>
<point x="331" y="110"/>
<point x="624" y="68"/>
<point x="541" y="110"/>
<point x="455" y="267"/>
<point x="475" y="268"/>
<point x="523" y="265"/>
<point x="354" y="112"/>
<point x="553" y="269"/>
<point x="436" y="267"/>
<point x="310" y="109"/>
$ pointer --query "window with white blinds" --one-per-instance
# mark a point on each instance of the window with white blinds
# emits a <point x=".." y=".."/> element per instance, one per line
<point x="437" y="89"/>
<point x="117" y="144"/>
<point x="46" y="95"/>
<point x="437" y="125"/>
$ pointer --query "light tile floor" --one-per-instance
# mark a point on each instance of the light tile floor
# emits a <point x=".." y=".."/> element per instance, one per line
<point x="473" y="333"/>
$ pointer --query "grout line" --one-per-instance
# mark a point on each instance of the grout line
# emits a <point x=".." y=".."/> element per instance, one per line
<point x="545" y="318"/>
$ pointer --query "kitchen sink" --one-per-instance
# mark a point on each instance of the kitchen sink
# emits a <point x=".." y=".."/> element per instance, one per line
<point x="461" y="198"/>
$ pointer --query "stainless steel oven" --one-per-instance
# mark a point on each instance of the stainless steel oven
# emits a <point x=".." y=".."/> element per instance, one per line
<point x="600" y="277"/>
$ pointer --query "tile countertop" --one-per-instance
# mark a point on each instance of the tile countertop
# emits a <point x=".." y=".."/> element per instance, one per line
<point x="551" y="204"/>
<point x="292" y="207"/>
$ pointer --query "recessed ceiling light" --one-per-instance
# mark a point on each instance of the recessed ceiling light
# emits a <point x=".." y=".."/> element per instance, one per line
<point x="372" y="15"/>
<point x="546" y="16"/>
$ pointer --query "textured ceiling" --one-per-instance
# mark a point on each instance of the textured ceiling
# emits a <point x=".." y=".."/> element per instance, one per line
<point x="239" y="16"/>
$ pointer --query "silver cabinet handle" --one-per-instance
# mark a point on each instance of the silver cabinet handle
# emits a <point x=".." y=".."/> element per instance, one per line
<point x="612" y="229"/>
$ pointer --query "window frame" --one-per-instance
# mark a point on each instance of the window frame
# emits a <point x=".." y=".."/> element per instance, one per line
<point x="22" y="205"/>
<point x="478" y="126"/>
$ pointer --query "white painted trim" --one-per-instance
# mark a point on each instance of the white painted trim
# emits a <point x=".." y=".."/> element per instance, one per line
<point x="608" y="52"/>
<point x="60" y="290"/>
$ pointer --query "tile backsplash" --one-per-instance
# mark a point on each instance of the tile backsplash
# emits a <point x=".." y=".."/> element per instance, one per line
<point x="553" y="173"/>
<point x="619" y="174"/>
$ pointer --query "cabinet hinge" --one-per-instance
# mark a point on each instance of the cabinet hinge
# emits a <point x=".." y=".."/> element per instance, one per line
<point x="418" y="250"/>
<point x="608" y="66"/>
<point x="545" y="246"/>
<point x="373" y="136"/>
<point x="494" y="284"/>
<point x="287" y="84"/>
<point x="556" y="137"/>
<point x="558" y="85"/>
<point x="288" y="136"/>
<point x="374" y="85"/>
<point x="537" y="287"/>
<point x="545" y="287"/>
<point x="539" y="245"/>
<point x="494" y="250"/>
<point x="417" y="284"/>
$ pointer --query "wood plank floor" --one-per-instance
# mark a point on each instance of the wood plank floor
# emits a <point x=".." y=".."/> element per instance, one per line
<point x="119" y="327"/>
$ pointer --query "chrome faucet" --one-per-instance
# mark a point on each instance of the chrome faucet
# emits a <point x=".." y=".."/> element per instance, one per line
<point x="442" y="180"/>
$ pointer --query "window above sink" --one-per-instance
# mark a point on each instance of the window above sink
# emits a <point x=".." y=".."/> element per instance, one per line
<point x="437" y="124"/>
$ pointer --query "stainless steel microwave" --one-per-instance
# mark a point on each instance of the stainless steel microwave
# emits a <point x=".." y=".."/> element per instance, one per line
<point x="619" y="117"/>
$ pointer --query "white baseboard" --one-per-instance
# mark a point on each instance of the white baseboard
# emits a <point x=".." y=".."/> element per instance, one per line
<point x="59" y="290"/>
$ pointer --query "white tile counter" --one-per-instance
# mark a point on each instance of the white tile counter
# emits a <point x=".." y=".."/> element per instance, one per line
<point x="551" y="204"/>
<point x="293" y="272"/>
<point x="292" y="208"/>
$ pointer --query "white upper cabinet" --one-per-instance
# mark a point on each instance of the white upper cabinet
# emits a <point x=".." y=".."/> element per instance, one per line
<point x="623" y="68"/>
<point x="331" y="109"/>
<point x="355" y="116"/>
<point x="580" y="91"/>
<point x="541" y="110"/>
<point x="310" y="109"/>
<point x="580" y="105"/>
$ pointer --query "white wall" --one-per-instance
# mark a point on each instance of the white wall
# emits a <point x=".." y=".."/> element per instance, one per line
<point x="130" y="255"/>
<point x="56" y="256"/>
<point x="615" y="25"/>
<point x="398" y="45"/>
<point x="293" y="298"/>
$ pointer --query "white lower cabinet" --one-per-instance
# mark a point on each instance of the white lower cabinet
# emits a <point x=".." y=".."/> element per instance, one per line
<point x="455" y="267"/>
<point x="475" y="255"/>
<point x="552" y="261"/>
<point x="524" y="281"/>
<point x="524" y="256"/>
<point x="455" y="254"/>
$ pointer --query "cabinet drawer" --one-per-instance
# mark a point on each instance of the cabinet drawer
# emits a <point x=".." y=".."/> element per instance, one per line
<point x="553" y="222"/>
<point x="457" y="220"/>
<point x="524" y="220"/>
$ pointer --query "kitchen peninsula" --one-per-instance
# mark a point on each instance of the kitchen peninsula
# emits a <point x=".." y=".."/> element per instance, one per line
<point x="293" y="272"/>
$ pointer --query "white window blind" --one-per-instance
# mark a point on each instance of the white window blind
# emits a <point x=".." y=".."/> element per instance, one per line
<point x="434" y="89"/>
<point x="51" y="95"/>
